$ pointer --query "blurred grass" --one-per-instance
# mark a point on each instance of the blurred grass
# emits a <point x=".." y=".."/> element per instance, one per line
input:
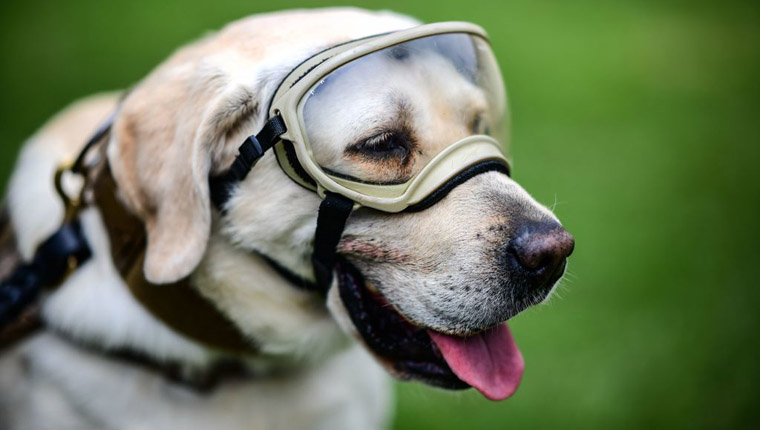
<point x="638" y="120"/>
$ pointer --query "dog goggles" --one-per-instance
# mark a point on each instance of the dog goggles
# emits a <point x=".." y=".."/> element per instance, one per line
<point x="388" y="120"/>
<point x="392" y="122"/>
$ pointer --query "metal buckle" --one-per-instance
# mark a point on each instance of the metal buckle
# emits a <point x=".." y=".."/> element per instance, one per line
<point x="72" y="205"/>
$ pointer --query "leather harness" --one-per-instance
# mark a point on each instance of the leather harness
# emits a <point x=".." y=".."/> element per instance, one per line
<point x="178" y="305"/>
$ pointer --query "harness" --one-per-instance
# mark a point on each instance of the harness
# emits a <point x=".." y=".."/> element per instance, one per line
<point x="178" y="304"/>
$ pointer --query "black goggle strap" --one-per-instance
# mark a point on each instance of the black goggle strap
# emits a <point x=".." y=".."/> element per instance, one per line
<point x="333" y="211"/>
<point x="333" y="214"/>
<point x="249" y="154"/>
<point x="459" y="179"/>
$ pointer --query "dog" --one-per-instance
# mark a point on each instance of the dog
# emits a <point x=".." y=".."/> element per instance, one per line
<point x="451" y="272"/>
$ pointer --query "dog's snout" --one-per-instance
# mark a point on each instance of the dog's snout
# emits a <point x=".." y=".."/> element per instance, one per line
<point x="541" y="249"/>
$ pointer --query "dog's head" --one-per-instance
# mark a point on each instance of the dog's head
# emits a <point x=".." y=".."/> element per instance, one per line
<point x="427" y="291"/>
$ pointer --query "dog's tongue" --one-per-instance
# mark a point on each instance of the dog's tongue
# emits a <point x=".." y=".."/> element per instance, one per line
<point x="489" y="361"/>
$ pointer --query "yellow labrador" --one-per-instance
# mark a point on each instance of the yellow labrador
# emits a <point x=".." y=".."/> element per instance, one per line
<point x="453" y="271"/>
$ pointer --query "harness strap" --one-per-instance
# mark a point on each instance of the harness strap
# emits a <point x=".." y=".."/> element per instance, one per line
<point x="248" y="155"/>
<point x="202" y="380"/>
<point x="178" y="305"/>
<point x="333" y="214"/>
<point x="295" y="279"/>
<point x="19" y="320"/>
<point x="65" y="250"/>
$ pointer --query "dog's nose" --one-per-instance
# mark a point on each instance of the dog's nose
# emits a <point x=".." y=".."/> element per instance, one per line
<point x="541" y="250"/>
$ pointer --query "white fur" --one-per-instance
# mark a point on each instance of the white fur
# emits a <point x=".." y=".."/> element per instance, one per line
<point x="76" y="389"/>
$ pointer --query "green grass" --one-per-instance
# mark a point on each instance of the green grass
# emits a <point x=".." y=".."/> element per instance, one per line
<point x="638" y="119"/>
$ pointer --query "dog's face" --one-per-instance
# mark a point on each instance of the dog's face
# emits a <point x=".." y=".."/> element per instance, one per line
<point x="460" y="268"/>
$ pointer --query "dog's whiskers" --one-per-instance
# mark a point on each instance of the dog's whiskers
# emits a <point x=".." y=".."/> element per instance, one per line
<point x="556" y="203"/>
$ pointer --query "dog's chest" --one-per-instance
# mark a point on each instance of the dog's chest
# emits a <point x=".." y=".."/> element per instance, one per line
<point x="60" y="381"/>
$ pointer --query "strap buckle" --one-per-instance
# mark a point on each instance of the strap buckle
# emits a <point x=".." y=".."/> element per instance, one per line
<point x="249" y="153"/>
<point x="72" y="204"/>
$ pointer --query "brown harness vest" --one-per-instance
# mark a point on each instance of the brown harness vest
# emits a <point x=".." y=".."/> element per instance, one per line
<point x="178" y="305"/>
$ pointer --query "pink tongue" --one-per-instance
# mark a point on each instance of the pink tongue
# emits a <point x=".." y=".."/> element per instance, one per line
<point x="489" y="361"/>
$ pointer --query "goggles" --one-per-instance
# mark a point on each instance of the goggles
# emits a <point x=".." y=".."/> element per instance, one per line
<point x="391" y="122"/>
<point x="410" y="109"/>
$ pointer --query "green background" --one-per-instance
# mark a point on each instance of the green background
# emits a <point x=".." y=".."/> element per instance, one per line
<point x="638" y="121"/>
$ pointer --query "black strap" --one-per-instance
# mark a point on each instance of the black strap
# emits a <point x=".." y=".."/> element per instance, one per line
<point x="249" y="153"/>
<point x="333" y="213"/>
<point x="459" y="179"/>
<point x="63" y="251"/>
<point x="66" y="249"/>
<point x="292" y="160"/>
<point x="103" y="129"/>
<point x="290" y="276"/>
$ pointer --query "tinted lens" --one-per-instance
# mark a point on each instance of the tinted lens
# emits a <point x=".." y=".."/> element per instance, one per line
<point x="382" y="117"/>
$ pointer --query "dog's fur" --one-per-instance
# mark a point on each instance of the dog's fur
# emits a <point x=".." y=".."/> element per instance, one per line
<point x="180" y="124"/>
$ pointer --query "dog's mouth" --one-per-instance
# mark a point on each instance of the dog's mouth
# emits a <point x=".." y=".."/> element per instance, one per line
<point x="488" y="361"/>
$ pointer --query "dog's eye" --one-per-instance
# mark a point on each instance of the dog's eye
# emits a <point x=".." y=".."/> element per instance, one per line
<point x="385" y="145"/>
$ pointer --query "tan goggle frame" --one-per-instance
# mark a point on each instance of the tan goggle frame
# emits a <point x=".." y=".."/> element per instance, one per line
<point x="289" y="101"/>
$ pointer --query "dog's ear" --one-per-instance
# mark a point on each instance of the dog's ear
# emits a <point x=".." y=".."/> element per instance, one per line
<point x="162" y="147"/>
